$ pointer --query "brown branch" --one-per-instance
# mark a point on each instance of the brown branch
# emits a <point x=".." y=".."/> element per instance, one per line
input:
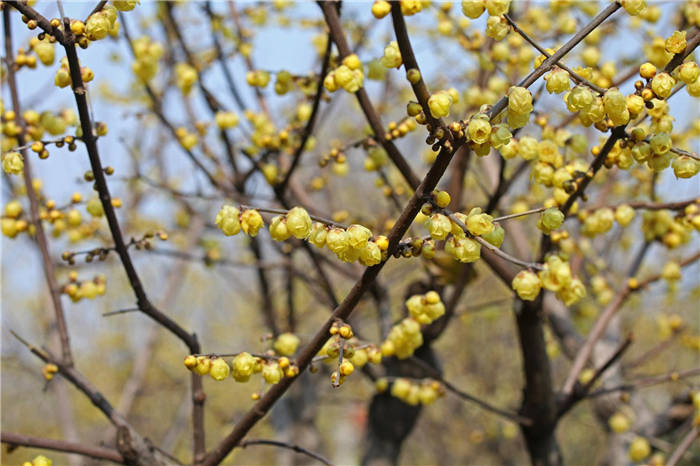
<point x="220" y="57"/>
<point x="342" y="311"/>
<point x="296" y="448"/>
<point x="602" y="322"/>
<point x="129" y="442"/>
<point x="646" y="382"/>
<point x="410" y="63"/>
<point x="654" y="351"/>
<point x="575" y="76"/>
<point x="500" y="253"/>
<point x="100" y="453"/>
<point x="42" y="22"/>
<point x="581" y="391"/>
<point x="308" y="129"/>
<point x="548" y="63"/>
<point x="40" y="235"/>
<point x="156" y="108"/>
<point x="80" y="94"/>
<point x="101" y="4"/>
<point x="336" y="30"/>
<point x="435" y="374"/>
<point x="685" y="444"/>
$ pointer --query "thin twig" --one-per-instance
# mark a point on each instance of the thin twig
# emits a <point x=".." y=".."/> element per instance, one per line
<point x="99" y="453"/>
<point x="296" y="448"/>
<point x="602" y="322"/>
<point x="40" y="236"/>
<point x="575" y="76"/>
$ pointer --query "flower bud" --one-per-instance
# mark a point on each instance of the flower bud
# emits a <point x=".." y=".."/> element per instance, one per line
<point x="392" y="56"/>
<point x="380" y="9"/>
<point x="479" y="130"/>
<point x="685" y="167"/>
<point x="550" y="220"/>
<point x="337" y="240"/>
<point x="439" y="104"/>
<point x="228" y="220"/>
<point x="219" y="369"/>
<point x="479" y="223"/>
<point x="251" y="222"/>
<point x="318" y="234"/>
<point x="439" y="226"/>
<point x="12" y="163"/>
<point x="624" y="214"/>
<point x="639" y="449"/>
<point x="662" y="85"/>
<point x="557" y="81"/>
<point x="286" y="344"/>
<point x="272" y="373"/>
<point x="473" y="8"/>
<point x="527" y="285"/>
<point x="243" y="366"/>
<point x="299" y="222"/>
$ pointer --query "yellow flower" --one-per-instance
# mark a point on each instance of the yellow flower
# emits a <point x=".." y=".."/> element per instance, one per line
<point x="676" y="43"/>
<point x="286" y="344"/>
<point x="12" y="163"/>
<point x="125" y="5"/>
<point x="624" y="214"/>
<point x="219" y="369"/>
<point x="633" y="7"/>
<point x="185" y="77"/>
<point x="278" y="229"/>
<point x="638" y="449"/>
<point x="370" y="254"/>
<point x="337" y="240"/>
<point x="479" y="129"/>
<point x="496" y="27"/>
<point x="97" y="26"/>
<point x="251" y="221"/>
<point x="439" y="104"/>
<point x="272" y="373"/>
<point x="550" y="220"/>
<point x="439" y="226"/>
<point x="662" y="85"/>
<point x="527" y="285"/>
<point x="243" y="367"/>
<point x="479" y="223"/>
<point x="519" y="100"/>
<point x="497" y="7"/>
<point x="380" y="9"/>
<point x="473" y="8"/>
<point x="685" y="167"/>
<point x="557" y="81"/>
<point x="299" y="222"/>
<point x="228" y="220"/>
<point x="226" y="120"/>
<point x="392" y="55"/>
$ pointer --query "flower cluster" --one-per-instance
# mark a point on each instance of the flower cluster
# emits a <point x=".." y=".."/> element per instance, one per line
<point x="519" y="106"/>
<point x="40" y="460"/>
<point x="86" y="289"/>
<point x="185" y="77"/>
<point x="147" y="53"/>
<point x="555" y="276"/>
<point x="405" y="337"/>
<point x="411" y="392"/>
<point x="348" y="75"/>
